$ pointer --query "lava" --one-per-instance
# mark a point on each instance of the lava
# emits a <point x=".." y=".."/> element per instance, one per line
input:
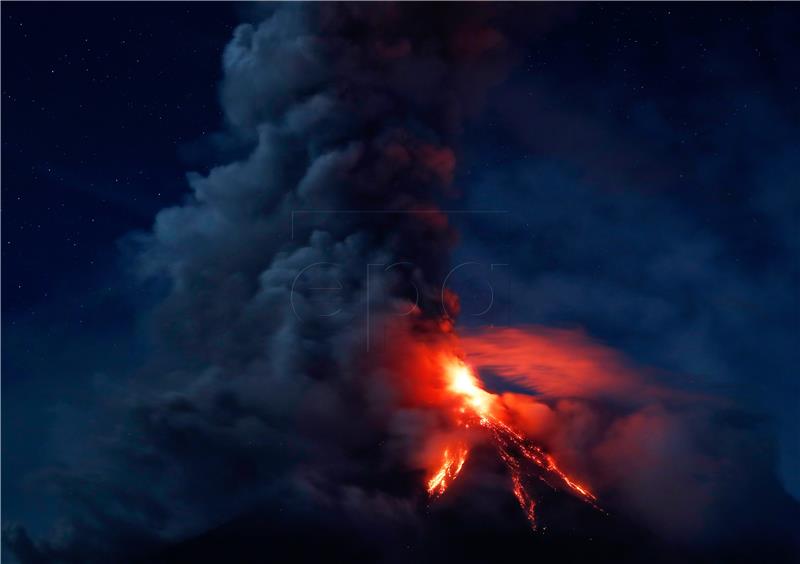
<point x="523" y="459"/>
<point x="451" y="465"/>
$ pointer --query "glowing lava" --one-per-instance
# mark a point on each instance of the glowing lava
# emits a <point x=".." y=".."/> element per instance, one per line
<point x="463" y="382"/>
<point x="523" y="459"/>
<point x="451" y="466"/>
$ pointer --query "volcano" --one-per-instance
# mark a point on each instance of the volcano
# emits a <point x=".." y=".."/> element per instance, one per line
<point x="523" y="459"/>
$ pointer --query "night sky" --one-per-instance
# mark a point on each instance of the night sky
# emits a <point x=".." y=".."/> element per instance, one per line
<point x="644" y="158"/>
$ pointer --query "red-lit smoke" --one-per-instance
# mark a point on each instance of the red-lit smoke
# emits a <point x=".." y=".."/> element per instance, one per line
<point x="442" y="379"/>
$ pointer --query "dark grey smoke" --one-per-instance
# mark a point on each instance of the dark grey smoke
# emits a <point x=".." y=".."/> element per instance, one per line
<point x="259" y="391"/>
<point x="261" y="428"/>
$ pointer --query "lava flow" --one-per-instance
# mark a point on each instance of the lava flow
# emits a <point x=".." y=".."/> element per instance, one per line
<point x="522" y="458"/>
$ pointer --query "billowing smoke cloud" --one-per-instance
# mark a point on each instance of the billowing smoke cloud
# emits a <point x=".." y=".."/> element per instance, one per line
<point x="289" y="389"/>
<point x="262" y="387"/>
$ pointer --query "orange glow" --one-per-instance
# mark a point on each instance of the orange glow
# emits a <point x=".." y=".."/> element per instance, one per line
<point x="452" y="462"/>
<point x="555" y="363"/>
<point x="463" y="382"/>
<point x="523" y="459"/>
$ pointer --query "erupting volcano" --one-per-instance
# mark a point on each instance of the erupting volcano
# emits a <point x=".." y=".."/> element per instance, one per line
<point x="523" y="459"/>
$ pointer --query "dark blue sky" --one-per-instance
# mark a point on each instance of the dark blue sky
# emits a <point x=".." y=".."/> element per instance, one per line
<point x="102" y="110"/>
<point x="648" y="155"/>
<point x="101" y="106"/>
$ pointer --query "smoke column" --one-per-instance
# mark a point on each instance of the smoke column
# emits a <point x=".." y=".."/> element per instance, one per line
<point x="281" y="267"/>
<point x="295" y="396"/>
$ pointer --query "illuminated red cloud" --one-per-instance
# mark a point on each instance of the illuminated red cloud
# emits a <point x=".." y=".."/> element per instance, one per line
<point x="554" y="363"/>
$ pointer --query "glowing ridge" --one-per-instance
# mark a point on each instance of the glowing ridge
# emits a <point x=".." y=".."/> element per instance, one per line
<point x="513" y="448"/>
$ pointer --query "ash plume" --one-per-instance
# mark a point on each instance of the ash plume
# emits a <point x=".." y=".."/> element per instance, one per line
<point x="260" y="388"/>
<point x="291" y="407"/>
